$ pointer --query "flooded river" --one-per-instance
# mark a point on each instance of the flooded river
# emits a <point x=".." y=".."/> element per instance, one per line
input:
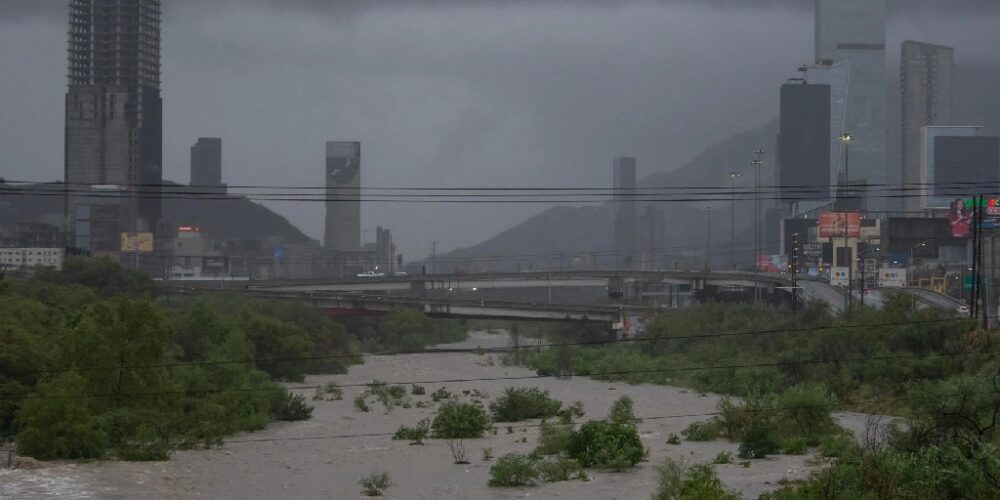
<point x="325" y="457"/>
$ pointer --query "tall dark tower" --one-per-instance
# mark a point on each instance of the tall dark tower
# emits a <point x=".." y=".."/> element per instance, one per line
<point x="626" y="243"/>
<point x="113" y="109"/>
<point x="343" y="192"/>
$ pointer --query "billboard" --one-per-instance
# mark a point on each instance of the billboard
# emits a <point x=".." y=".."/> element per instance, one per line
<point x="772" y="263"/>
<point x="892" y="278"/>
<point x="836" y="224"/>
<point x="137" y="242"/>
<point x="838" y="276"/>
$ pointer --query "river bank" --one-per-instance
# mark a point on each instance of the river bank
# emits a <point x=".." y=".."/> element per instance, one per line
<point x="326" y="456"/>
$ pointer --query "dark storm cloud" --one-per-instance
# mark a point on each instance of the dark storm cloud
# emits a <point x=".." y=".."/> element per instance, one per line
<point x="56" y="8"/>
<point x="446" y="92"/>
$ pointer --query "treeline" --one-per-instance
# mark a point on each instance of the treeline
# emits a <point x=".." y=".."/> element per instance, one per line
<point x="735" y="349"/>
<point x="936" y="372"/>
<point x="95" y="363"/>
<point x="405" y="330"/>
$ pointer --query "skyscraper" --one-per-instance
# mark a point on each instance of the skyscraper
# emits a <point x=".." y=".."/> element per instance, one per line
<point x="804" y="145"/>
<point x="927" y="76"/>
<point x="855" y="31"/>
<point x="343" y="196"/>
<point x="113" y="107"/>
<point x="626" y="216"/>
<point x="957" y="162"/>
<point x="206" y="165"/>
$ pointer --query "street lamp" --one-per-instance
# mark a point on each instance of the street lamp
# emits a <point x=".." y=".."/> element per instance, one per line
<point x="732" y="219"/>
<point x="846" y="139"/>
<point x="909" y="265"/>
<point x="756" y="164"/>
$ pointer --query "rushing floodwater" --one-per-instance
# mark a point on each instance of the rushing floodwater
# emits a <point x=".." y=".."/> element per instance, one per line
<point x="312" y="459"/>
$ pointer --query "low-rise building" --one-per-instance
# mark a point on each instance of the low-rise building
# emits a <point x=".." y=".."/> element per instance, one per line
<point x="31" y="258"/>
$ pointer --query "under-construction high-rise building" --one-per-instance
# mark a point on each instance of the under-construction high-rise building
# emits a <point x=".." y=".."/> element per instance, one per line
<point x="114" y="111"/>
<point x="927" y="77"/>
<point x="343" y="196"/>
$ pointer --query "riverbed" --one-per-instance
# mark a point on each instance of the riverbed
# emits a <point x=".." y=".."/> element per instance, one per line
<point x="325" y="457"/>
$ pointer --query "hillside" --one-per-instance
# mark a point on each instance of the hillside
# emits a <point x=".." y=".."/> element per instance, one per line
<point x="586" y="232"/>
<point x="232" y="218"/>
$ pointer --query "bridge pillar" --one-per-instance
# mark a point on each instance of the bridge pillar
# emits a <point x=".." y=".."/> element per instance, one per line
<point x="418" y="288"/>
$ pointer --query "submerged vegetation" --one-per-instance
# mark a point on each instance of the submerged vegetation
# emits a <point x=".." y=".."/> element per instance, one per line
<point x="788" y="372"/>
<point x="97" y="362"/>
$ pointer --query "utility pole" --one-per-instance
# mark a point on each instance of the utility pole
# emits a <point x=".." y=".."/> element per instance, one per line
<point x="795" y="273"/>
<point x="848" y="259"/>
<point x="434" y="253"/>
<point x="756" y="164"/>
<point x="732" y="219"/>
<point x="708" y="239"/>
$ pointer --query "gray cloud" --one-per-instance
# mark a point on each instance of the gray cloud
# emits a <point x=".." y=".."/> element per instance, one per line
<point x="479" y="93"/>
<point x="13" y="9"/>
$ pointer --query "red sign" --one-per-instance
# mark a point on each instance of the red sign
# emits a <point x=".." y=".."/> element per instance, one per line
<point x="834" y="224"/>
<point x="960" y="218"/>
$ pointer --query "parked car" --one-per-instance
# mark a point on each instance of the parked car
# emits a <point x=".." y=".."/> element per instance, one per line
<point x="371" y="274"/>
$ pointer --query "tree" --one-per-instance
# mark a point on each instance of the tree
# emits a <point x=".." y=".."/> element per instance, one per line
<point x="56" y="424"/>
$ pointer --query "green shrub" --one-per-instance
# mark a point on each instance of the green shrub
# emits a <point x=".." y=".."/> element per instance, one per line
<point x="290" y="407"/>
<point x="698" y="482"/>
<point x="673" y="439"/>
<point x="794" y="446"/>
<point x="361" y="404"/>
<point x="724" y="457"/>
<point x="54" y="425"/>
<point x="553" y="439"/>
<point x="414" y="434"/>
<point x="389" y="396"/>
<point x="807" y="408"/>
<point x="522" y="403"/>
<point x="702" y="431"/>
<point x="553" y="470"/>
<point x="759" y="440"/>
<point x="441" y="394"/>
<point x="623" y="412"/>
<point x="417" y="390"/>
<point x="837" y="446"/>
<point x="702" y="483"/>
<point x="329" y="392"/>
<point x="375" y="484"/>
<point x="607" y="444"/>
<point x="513" y="469"/>
<point x="460" y="421"/>
<point x="572" y="411"/>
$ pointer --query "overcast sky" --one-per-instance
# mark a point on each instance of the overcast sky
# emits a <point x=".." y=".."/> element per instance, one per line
<point x="447" y="93"/>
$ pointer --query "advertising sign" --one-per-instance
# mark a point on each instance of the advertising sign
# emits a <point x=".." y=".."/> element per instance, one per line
<point x="772" y="263"/>
<point x="812" y="249"/>
<point x="834" y="224"/>
<point x="960" y="217"/>
<point x="892" y="278"/>
<point x="137" y="242"/>
<point x="838" y="276"/>
<point x="630" y="326"/>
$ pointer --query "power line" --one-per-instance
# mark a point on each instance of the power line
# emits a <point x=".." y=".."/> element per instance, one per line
<point x="723" y="188"/>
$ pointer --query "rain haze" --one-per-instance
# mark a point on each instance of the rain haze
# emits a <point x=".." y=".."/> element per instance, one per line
<point x="495" y="249"/>
<point x="448" y="93"/>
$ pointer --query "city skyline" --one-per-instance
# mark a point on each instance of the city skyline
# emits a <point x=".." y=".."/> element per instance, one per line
<point x="255" y="149"/>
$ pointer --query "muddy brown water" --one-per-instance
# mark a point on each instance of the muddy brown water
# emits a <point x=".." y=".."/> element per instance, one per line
<point x="313" y="459"/>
